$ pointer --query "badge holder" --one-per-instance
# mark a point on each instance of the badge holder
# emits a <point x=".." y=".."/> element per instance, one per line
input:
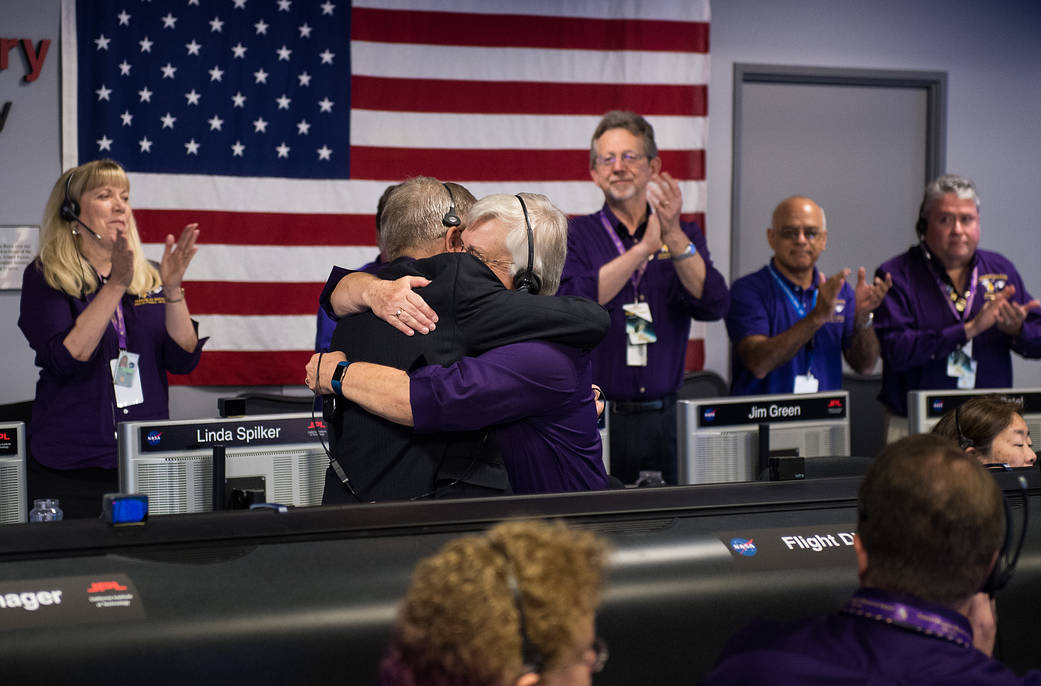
<point x="126" y="379"/>
<point x="639" y="330"/>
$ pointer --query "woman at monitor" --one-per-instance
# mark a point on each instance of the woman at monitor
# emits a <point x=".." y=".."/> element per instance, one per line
<point x="991" y="429"/>
<point x="106" y="325"/>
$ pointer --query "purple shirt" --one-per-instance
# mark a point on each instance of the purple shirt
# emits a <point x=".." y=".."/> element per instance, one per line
<point x="917" y="329"/>
<point x="846" y="650"/>
<point x="760" y="306"/>
<point x="589" y="248"/>
<point x="539" y="397"/>
<point x="74" y="413"/>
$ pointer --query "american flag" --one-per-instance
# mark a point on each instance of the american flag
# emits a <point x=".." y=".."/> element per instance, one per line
<point x="276" y="125"/>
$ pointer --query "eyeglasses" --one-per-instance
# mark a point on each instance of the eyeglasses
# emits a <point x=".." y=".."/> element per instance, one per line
<point x="629" y="159"/>
<point x="791" y="233"/>
<point x="598" y="651"/>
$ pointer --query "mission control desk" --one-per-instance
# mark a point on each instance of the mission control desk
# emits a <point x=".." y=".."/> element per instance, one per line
<point x="308" y="597"/>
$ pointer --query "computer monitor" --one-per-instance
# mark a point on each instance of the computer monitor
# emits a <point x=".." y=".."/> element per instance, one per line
<point x="719" y="437"/>
<point x="172" y="461"/>
<point x="924" y="408"/>
<point x="14" y="506"/>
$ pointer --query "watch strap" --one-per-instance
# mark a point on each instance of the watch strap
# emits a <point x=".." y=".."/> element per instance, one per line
<point x="341" y="369"/>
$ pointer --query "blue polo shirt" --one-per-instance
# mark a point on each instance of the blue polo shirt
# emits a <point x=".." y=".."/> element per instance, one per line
<point x="760" y="305"/>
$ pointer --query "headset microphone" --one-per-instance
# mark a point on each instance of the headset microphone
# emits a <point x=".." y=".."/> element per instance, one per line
<point x="70" y="211"/>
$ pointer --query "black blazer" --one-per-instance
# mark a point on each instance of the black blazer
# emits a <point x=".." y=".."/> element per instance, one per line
<point x="386" y="461"/>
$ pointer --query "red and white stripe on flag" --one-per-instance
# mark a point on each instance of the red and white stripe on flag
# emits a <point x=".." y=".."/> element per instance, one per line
<point x="501" y="97"/>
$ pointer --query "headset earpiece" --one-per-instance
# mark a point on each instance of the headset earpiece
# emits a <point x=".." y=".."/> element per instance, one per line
<point x="70" y="209"/>
<point x="526" y="279"/>
<point x="451" y="219"/>
<point x="531" y="656"/>
<point x="1005" y="566"/>
<point x="964" y="442"/>
<point x="922" y="224"/>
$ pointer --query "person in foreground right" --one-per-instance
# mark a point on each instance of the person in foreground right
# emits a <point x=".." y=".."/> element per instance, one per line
<point x="929" y="527"/>
<point x="512" y="607"/>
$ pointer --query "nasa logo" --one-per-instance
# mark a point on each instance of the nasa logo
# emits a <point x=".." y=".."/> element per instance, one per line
<point x="154" y="437"/>
<point x="938" y="405"/>
<point x="710" y="414"/>
<point x="743" y="546"/>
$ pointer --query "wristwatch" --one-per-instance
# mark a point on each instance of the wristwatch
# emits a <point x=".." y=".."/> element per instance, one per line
<point x="691" y="251"/>
<point x="338" y="377"/>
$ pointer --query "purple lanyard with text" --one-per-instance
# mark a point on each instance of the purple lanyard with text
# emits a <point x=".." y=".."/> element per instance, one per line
<point x="948" y="288"/>
<point x="636" y="276"/>
<point x="864" y="603"/>
<point x="119" y="324"/>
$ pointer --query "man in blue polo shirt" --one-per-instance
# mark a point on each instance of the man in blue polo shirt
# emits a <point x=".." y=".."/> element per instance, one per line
<point x="789" y="324"/>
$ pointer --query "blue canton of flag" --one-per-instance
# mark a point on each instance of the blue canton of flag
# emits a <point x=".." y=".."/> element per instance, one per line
<point x="235" y="87"/>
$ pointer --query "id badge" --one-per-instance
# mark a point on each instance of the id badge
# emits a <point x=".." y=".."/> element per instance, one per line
<point x="126" y="379"/>
<point x="806" y="383"/>
<point x="962" y="367"/>
<point x="639" y="324"/>
<point x="636" y="354"/>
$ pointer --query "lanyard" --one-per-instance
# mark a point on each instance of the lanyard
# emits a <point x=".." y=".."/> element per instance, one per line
<point x="119" y="324"/>
<point x="637" y="275"/>
<point x="796" y="304"/>
<point x="798" y="307"/>
<point x="947" y="288"/>
<point x="865" y="603"/>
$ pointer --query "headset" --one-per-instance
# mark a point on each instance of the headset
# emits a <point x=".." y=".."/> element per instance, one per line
<point x="923" y="223"/>
<point x="531" y="655"/>
<point x="1005" y="565"/>
<point x="964" y="442"/>
<point x="451" y="219"/>
<point x="70" y="210"/>
<point x="526" y="279"/>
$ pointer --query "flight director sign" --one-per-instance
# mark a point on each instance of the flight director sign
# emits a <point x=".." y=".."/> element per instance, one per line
<point x="742" y="413"/>
<point x="234" y="433"/>
<point x="785" y="548"/>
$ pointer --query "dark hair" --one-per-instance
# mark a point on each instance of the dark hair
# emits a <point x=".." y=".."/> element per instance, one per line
<point x="631" y="122"/>
<point x="980" y="419"/>
<point x="930" y="518"/>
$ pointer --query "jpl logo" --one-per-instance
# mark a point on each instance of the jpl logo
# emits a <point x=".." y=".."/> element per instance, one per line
<point x="99" y="586"/>
<point x="154" y="437"/>
<point x="744" y="546"/>
<point x="710" y="414"/>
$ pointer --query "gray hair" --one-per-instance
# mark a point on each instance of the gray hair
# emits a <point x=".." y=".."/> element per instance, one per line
<point x="548" y="226"/>
<point x="961" y="186"/>
<point x="413" y="213"/>
<point x="631" y="122"/>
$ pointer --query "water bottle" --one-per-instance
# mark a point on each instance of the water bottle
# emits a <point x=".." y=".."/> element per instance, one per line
<point x="45" y="510"/>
